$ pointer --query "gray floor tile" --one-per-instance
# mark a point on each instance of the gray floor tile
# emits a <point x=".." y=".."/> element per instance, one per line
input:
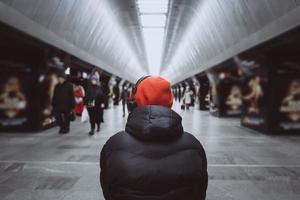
<point x="243" y="164"/>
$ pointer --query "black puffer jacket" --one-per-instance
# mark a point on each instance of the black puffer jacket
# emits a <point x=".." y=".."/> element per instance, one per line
<point x="153" y="159"/>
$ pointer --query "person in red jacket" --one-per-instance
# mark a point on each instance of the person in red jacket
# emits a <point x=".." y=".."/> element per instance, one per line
<point x="154" y="158"/>
<point x="79" y="104"/>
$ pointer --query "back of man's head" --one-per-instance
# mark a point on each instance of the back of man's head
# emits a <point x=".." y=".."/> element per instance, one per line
<point x="154" y="91"/>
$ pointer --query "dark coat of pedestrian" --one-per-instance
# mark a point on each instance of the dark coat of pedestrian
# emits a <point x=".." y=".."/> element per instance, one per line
<point x="154" y="158"/>
<point x="94" y="101"/>
<point x="124" y="98"/>
<point x="63" y="103"/>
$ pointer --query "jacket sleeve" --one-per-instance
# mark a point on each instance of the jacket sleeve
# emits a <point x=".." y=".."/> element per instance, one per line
<point x="54" y="98"/>
<point x="71" y="96"/>
<point x="86" y="95"/>
<point x="101" y="97"/>
<point x="204" y="182"/>
<point x="103" y="171"/>
<point x="122" y="95"/>
<point x="205" y="174"/>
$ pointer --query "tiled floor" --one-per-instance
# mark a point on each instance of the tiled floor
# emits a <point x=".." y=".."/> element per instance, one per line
<point x="243" y="164"/>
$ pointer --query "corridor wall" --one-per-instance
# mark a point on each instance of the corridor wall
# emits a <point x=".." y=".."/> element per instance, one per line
<point x="271" y="89"/>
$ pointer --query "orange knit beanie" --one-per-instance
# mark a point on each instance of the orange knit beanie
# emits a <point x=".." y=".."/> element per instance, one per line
<point x="154" y="91"/>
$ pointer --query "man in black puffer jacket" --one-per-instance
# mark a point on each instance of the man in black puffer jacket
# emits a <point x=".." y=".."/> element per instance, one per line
<point x="153" y="159"/>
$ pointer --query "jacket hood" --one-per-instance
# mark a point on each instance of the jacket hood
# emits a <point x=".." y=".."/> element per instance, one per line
<point x="154" y="123"/>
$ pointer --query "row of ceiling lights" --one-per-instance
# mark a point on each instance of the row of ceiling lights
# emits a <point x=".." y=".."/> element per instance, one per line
<point x="153" y="17"/>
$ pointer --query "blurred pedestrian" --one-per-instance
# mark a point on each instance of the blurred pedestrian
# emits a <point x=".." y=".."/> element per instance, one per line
<point x="187" y="98"/>
<point x="79" y="95"/>
<point x="94" y="102"/>
<point x="63" y="103"/>
<point x="124" y="98"/>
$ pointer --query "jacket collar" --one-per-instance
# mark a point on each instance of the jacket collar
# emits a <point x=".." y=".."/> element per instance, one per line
<point x="154" y="123"/>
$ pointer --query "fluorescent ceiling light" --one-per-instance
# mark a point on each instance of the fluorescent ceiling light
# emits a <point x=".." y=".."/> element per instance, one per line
<point x="153" y="9"/>
<point x="154" y="47"/>
<point x="153" y="20"/>
<point x="153" y="6"/>
<point x="153" y="16"/>
<point x="163" y="2"/>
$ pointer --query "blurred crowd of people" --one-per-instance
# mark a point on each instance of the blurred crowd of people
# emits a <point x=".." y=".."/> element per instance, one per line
<point x="188" y="97"/>
<point x="78" y="99"/>
<point x="87" y="100"/>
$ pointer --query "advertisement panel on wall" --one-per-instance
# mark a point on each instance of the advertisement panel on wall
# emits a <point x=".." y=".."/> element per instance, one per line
<point x="289" y="108"/>
<point x="285" y="106"/>
<point x="254" y="94"/>
<point x="15" y="95"/>
<point x="254" y="97"/>
<point x="232" y="103"/>
<point x="226" y="91"/>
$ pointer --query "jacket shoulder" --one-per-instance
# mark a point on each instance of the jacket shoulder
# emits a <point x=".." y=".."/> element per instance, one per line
<point x="118" y="140"/>
<point x="192" y="142"/>
<point x="114" y="143"/>
<point x="123" y="139"/>
<point x="69" y="85"/>
<point x="191" y="139"/>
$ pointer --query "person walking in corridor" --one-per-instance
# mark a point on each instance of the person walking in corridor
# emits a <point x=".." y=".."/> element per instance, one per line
<point x="187" y="98"/>
<point x="79" y="95"/>
<point x="124" y="98"/>
<point x="154" y="158"/>
<point x="63" y="103"/>
<point x="94" y="102"/>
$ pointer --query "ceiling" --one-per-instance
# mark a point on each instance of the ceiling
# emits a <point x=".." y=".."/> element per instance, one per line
<point x="107" y="33"/>
<point x="203" y="33"/>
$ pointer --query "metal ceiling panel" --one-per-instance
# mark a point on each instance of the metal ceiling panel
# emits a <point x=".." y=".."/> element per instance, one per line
<point x="85" y="23"/>
<point x="216" y="30"/>
<point x="105" y="33"/>
<point x="278" y="8"/>
<point x="127" y="12"/>
<point x="46" y="11"/>
<point x="8" y="2"/>
<point x="27" y="8"/>
<point x="60" y="19"/>
<point x="261" y="11"/>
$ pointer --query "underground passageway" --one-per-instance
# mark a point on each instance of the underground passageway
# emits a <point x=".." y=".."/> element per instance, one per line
<point x="242" y="164"/>
<point x="231" y="66"/>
